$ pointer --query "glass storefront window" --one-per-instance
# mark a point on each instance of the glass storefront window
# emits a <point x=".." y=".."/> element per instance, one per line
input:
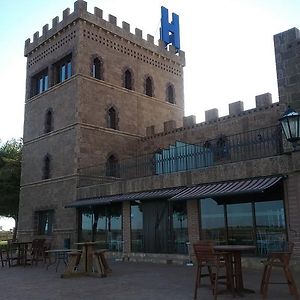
<point x="102" y="224"/>
<point x="240" y="224"/>
<point x="137" y="232"/>
<point x="179" y="228"/>
<point x="270" y="226"/>
<point x="212" y="221"/>
<point x="86" y="225"/>
<point x="249" y="223"/>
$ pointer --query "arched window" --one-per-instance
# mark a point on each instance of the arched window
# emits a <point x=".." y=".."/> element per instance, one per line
<point x="112" y="166"/>
<point x="97" y="69"/>
<point x="149" y="86"/>
<point x="128" y="80"/>
<point x="112" y="118"/>
<point x="48" y="120"/>
<point x="47" y="167"/>
<point x="170" y="93"/>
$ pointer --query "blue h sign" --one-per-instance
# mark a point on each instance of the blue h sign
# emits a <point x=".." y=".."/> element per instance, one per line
<point x="169" y="32"/>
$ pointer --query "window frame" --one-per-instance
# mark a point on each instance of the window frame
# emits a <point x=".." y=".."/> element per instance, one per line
<point x="63" y="69"/>
<point x="39" y="82"/>
<point x="44" y="221"/>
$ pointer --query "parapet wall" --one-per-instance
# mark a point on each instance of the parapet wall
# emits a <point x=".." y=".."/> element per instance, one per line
<point x="265" y="114"/>
<point x="80" y="12"/>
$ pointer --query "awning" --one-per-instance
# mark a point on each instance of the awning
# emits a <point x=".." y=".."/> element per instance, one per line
<point x="103" y="200"/>
<point x="222" y="189"/>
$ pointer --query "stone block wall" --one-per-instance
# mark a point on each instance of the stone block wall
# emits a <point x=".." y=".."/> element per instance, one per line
<point x="287" y="53"/>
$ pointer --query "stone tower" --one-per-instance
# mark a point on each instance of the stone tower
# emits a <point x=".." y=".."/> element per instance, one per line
<point x="92" y="89"/>
<point x="287" y="52"/>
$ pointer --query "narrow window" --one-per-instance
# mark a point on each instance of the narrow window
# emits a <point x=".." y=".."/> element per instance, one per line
<point x="39" y="83"/>
<point x="44" y="221"/>
<point x="63" y="69"/>
<point x="128" y="80"/>
<point x="112" y="166"/>
<point x="112" y="118"/>
<point x="97" y="68"/>
<point x="149" y="87"/>
<point x="46" y="168"/>
<point x="170" y="94"/>
<point x="48" y="121"/>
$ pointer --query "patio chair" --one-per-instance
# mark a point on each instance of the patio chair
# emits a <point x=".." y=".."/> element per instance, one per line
<point x="37" y="251"/>
<point x="4" y="255"/>
<point x="279" y="260"/>
<point x="214" y="261"/>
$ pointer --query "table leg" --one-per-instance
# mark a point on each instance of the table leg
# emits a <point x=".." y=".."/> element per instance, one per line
<point x="238" y="274"/>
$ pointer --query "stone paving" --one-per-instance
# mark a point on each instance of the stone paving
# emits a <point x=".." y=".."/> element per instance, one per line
<point x="128" y="281"/>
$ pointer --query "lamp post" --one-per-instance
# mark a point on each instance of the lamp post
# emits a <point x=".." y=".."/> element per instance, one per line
<point x="290" y="124"/>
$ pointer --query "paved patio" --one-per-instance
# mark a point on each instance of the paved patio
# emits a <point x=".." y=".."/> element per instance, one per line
<point x="128" y="281"/>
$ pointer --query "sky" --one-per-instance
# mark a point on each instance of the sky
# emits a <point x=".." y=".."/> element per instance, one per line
<point x="228" y="46"/>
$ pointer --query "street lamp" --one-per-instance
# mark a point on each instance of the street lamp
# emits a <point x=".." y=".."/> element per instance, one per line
<point x="290" y="124"/>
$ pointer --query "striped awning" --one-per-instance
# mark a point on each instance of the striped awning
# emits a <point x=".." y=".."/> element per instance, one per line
<point x="228" y="188"/>
<point x="103" y="200"/>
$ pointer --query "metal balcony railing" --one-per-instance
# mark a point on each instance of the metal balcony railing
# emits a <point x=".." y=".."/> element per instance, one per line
<point x="183" y="156"/>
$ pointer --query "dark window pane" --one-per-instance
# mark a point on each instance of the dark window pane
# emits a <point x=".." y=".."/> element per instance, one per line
<point x="69" y="70"/>
<point x="112" y="118"/>
<point x="212" y="220"/>
<point x="240" y="224"/>
<point x="149" y="87"/>
<point x="137" y="231"/>
<point x="128" y="80"/>
<point x="179" y="227"/>
<point x="46" y="171"/>
<point x="170" y="94"/>
<point x="45" y="222"/>
<point x="97" y="68"/>
<point x="112" y="166"/>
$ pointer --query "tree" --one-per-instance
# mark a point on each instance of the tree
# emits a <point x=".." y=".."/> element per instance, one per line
<point x="10" y="174"/>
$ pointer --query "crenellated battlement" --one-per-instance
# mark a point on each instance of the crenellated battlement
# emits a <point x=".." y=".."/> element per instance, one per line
<point x="96" y="18"/>
<point x="236" y="112"/>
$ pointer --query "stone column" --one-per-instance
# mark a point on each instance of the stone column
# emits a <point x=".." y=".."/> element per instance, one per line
<point x="292" y="203"/>
<point x="193" y="222"/>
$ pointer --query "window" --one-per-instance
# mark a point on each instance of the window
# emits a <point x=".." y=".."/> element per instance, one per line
<point x="128" y="79"/>
<point x="97" y="68"/>
<point x="40" y="83"/>
<point x="149" y="86"/>
<point x="46" y="168"/>
<point x="63" y="69"/>
<point x="112" y="166"/>
<point x="112" y="118"/>
<point x="170" y="94"/>
<point x="44" y="220"/>
<point x="48" y="121"/>
<point x="103" y="224"/>
<point x="137" y="228"/>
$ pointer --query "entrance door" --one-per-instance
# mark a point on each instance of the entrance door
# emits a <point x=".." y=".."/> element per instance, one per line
<point x="155" y="223"/>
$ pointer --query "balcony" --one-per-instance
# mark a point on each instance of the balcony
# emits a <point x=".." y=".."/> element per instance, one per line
<point x="182" y="156"/>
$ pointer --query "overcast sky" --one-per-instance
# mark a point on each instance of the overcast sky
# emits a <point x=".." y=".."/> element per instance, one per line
<point x="228" y="45"/>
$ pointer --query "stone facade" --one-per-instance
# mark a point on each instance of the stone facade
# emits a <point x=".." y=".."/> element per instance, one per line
<point x="80" y="141"/>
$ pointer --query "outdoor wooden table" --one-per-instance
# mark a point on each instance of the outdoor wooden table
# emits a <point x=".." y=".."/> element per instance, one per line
<point x="236" y="251"/>
<point x="22" y="250"/>
<point x="59" y="255"/>
<point x="93" y="263"/>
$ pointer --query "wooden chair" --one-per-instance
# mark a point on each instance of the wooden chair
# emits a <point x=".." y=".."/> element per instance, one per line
<point x="214" y="261"/>
<point x="37" y="251"/>
<point x="4" y="255"/>
<point x="279" y="260"/>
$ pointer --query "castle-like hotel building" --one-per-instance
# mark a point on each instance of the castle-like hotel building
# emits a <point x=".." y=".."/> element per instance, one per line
<point x="109" y="156"/>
